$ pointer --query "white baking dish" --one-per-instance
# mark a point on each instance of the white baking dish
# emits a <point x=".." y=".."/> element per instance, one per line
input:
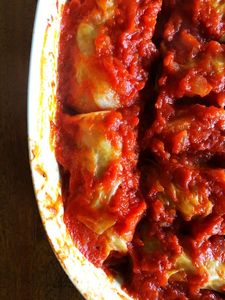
<point x="93" y="283"/>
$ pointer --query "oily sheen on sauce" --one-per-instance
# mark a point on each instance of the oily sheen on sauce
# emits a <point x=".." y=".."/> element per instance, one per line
<point x="141" y="142"/>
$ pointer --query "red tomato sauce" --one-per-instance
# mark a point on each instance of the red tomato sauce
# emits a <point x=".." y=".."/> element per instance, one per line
<point x="159" y="66"/>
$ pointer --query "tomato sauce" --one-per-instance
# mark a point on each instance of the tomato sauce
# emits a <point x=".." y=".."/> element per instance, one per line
<point x="141" y="142"/>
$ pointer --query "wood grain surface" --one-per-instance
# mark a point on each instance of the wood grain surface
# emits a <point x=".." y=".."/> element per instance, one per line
<point x="28" y="267"/>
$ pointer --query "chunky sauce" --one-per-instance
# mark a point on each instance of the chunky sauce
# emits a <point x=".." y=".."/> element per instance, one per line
<point x="141" y="142"/>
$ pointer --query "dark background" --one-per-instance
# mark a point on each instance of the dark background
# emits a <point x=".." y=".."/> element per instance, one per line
<point x="28" y="267"/>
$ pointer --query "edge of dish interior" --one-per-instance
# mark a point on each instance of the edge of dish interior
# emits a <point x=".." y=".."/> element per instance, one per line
<point x="92" y="282"/>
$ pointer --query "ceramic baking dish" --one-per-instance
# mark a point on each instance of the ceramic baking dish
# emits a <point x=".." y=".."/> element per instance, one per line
<point x="93" y="283"/>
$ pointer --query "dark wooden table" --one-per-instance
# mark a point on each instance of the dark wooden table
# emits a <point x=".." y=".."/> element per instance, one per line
<point x="28" y="267"/>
